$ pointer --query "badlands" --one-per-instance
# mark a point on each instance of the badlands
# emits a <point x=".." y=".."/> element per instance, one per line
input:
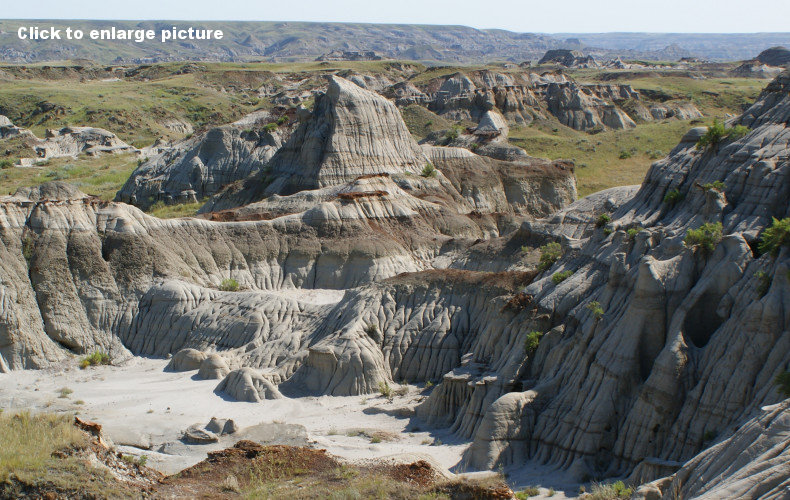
<point x="446" y="305"/>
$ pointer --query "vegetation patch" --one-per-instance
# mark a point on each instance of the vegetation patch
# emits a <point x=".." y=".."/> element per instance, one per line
<point x="673" y="197"/>
<point x="549" y="254"/>
<point x="705" y="238"/>
<point x="558" y="278"/>
<point x="428" y="170"/>
<point x="595" y="308"/>
<point x="717" y="132"/>
<point x="96" y="358"/>
<point x="603" y="220"/>
<point x="775" y="236"/>
<point x="532" y="341"/>
<point x="229" y="285"/>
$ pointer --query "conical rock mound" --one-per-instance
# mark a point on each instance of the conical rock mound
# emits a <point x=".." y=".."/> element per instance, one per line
<point x="351" y="132"/>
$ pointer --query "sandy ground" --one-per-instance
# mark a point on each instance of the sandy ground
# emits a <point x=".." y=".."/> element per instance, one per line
<point x="144" y="411"/>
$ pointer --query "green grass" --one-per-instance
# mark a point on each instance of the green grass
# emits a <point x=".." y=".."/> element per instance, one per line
<point x="598" y="156"/>
<point x="163" y="211"/>
<point x="134" y="110"/>
<point x="101" y="176"/>
<point x="422" y="122"/>
<point x="27" y="444"/>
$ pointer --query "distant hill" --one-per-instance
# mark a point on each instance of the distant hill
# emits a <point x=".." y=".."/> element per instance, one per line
<point x="300" y="41"/>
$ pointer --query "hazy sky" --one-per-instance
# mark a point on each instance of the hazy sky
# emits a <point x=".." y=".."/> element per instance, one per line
<point x="547" y="16"/>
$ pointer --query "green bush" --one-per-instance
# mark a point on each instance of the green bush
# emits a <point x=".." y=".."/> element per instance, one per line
<point x="452" y="134"/>
<point x="713" y="136"/>
<point x="632" y="232"/>
<point x="558" y="278"/>
<point x="595" y="308"/>
<point x="673" y="197"/>
<point x="715" y="185"/>
<point x="774" y="237"/>
<point x="229" y="285"/>
<point x="783" y="382"/>
<point x="270" y="127"/>
<point x="428" y="170"/>
<point x="738" y="132"/>
<point x="706" y="237"/>
<point x="95" y="359"/>
<point x="549" y="254"/>
<point x="282" y="120"/>
<point x="624" y="155"/>
<point x="603" y="220"/>
<point x="718" y="132"/>
<point x="385" y="390"/>
<point x="615" y="491"/>
<point x="532" y="341"/>
<point x="6" y="163"/>
<point x="529" y="491"/>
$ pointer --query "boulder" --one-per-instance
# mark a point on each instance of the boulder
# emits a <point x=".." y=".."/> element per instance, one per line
<point x="222" y="426"/>
<point x="186" y="360"/>
<point x="213" y="367"/>
<point x="196" y="434"/>
<point x="246" y="384"/>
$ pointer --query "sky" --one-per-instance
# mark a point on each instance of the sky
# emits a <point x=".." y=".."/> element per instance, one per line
<point x="543" y="16"/>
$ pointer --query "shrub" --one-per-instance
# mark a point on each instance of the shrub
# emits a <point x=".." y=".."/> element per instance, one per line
<point x="612" y="491"/>
<point x="270" y="127"/>
<point x="65" y="392"/>
<point x="709" y="435"/>
<point x="775" y="236"/>
<point x="549" y="254"/>
<point x="783" y="382"/>
<point x="558" y="278"/>
<point x="715" y="185"/>
<point x="6" y="163"/>
<point x="763" y="283"/>
<point x="632" y="232"/>
<point x="428" y="170"/>
<point x="371" y="329"/>
<point x="142" y="460"/>
<point x="529" y="491"/>
<point x="595" y="308"/>
<point x="624" y="155"/>
<point x="385" y="390"/>
<point x="474" y="146"/>
<point x="452" y="134"/>
<point x="706" y="237"/>
<point x="713" y="136"/>
<point x="375" y="439"/>
<point x="229" y="285"/>
<point x="551" y="492"/>
<point x="673" y="197"/>
<point x="532" y="341"/>
<point x="95" y="359"/>
<point x="27" y="247"/>
<point x="282" y="120"/>
<point x="738" y="132"/>
<point x="603" y="220"/>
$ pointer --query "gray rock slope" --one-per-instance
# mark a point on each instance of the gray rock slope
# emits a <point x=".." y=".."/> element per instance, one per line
<point x="752" y="463"/>
<point x="524" y="97"/>
<point x="354" y="133"/>
<point x="666" y="344"/>
<point x="200" y="166"/>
